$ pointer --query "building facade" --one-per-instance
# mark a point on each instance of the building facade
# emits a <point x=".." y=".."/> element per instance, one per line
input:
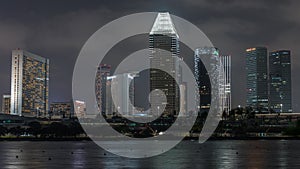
<point x="6" y="104"/>
<point x="183" y="99"/>
<point x="202" y="77"/>
<point x="121" y="86"/>
<point x="280" y="83"/>
<point x="80" y="109"/>
<point x="101" y="79"/>
<point x="164" y="55"/>
<point x="257" y="78"/>
<point x="62" y="109"/>
<point x="29" y="84"/>
<point x="226" y="63"/>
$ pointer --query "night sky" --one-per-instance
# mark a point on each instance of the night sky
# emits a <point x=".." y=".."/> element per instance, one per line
<point x="58" y="29"/>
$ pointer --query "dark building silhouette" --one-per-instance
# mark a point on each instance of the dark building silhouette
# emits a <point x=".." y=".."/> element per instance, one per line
<point x="280" y="86"/>
<point x="257" y="78"/>
<point x="101" y="78"/>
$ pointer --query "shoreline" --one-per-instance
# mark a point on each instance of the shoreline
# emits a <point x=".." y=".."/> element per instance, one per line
<point x="185" y="139"/>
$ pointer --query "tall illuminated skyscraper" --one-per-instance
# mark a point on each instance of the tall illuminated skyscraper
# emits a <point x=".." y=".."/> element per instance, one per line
<point x="164" y="54"/>
<point x="29" y="84"/>
<point x="101" y="79"/>
<point x="257" y="78"/>
<point x="226" y="63"/>
<point x="202" y="77"/>
<point x="280" y="87"/>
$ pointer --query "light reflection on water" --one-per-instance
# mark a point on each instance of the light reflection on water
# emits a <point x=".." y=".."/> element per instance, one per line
<point x="188" y="154"/>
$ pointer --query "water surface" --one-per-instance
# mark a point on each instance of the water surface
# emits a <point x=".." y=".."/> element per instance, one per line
<point x="188" y="154"/>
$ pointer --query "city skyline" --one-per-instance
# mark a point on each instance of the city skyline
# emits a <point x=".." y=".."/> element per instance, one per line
<point x="62" y="48"/>
<point x="272" y="93"/>
<point x="149" y="84"/>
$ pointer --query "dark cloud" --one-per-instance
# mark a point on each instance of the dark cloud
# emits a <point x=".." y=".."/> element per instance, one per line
<point x="58" y="29"/>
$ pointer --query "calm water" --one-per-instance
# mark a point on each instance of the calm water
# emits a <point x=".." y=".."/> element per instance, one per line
<point x="188" y="154"/>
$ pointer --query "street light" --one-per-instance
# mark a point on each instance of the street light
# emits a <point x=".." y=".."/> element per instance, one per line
<point x="281" y="107"/>
<point x="37" y="112"/>
<point x="78" y="111"/>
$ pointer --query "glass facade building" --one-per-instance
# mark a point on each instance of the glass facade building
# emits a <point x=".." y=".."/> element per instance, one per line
<point x="257" y="78"/>
<point x="29" y="84"/>
<point x="280" y="86"/>
<point x="202" y="77"/>
<point x="164" y="55"/>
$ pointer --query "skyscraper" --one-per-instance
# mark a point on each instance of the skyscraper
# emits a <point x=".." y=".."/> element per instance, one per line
<point x="29" y="84"/>
<point x="257" y="78"/>
<point x="6" y="104"/>
<point x="164" y="55"/>
<point x="202" y="77"/>
<point x="101" y="78"/>
<point x="226" y="62"/>
<point x="280" y="86"/>
<point x="121" y="86"/>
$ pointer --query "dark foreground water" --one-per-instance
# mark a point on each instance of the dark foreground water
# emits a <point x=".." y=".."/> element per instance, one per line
<point x="188" y="154"/>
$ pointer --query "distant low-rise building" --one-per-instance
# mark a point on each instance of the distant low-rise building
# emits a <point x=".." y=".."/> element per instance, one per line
<point x="62" y="109"/>
<point x="80" y="108"/>
<point x="6" y="104"/>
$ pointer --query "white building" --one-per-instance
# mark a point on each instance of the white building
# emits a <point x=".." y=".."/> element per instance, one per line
<point x="226" y="62"/>
<point x="122" y="87"/>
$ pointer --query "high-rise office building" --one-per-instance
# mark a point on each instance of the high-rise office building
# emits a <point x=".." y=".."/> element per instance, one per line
<point x="164" y="55"/>
<point x="29" y="84"/>
<point x="121" y="86"/>
<point x="6" y="104"/>
<point x="257" y="78"/>
<point x="101" y="79"/>
<point x="226" y="63"/>
<point x="202" y="77"/>
<point x="280" y="84"/>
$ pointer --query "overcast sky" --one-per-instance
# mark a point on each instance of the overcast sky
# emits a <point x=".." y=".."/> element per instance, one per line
<point x="58" y="29"/>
